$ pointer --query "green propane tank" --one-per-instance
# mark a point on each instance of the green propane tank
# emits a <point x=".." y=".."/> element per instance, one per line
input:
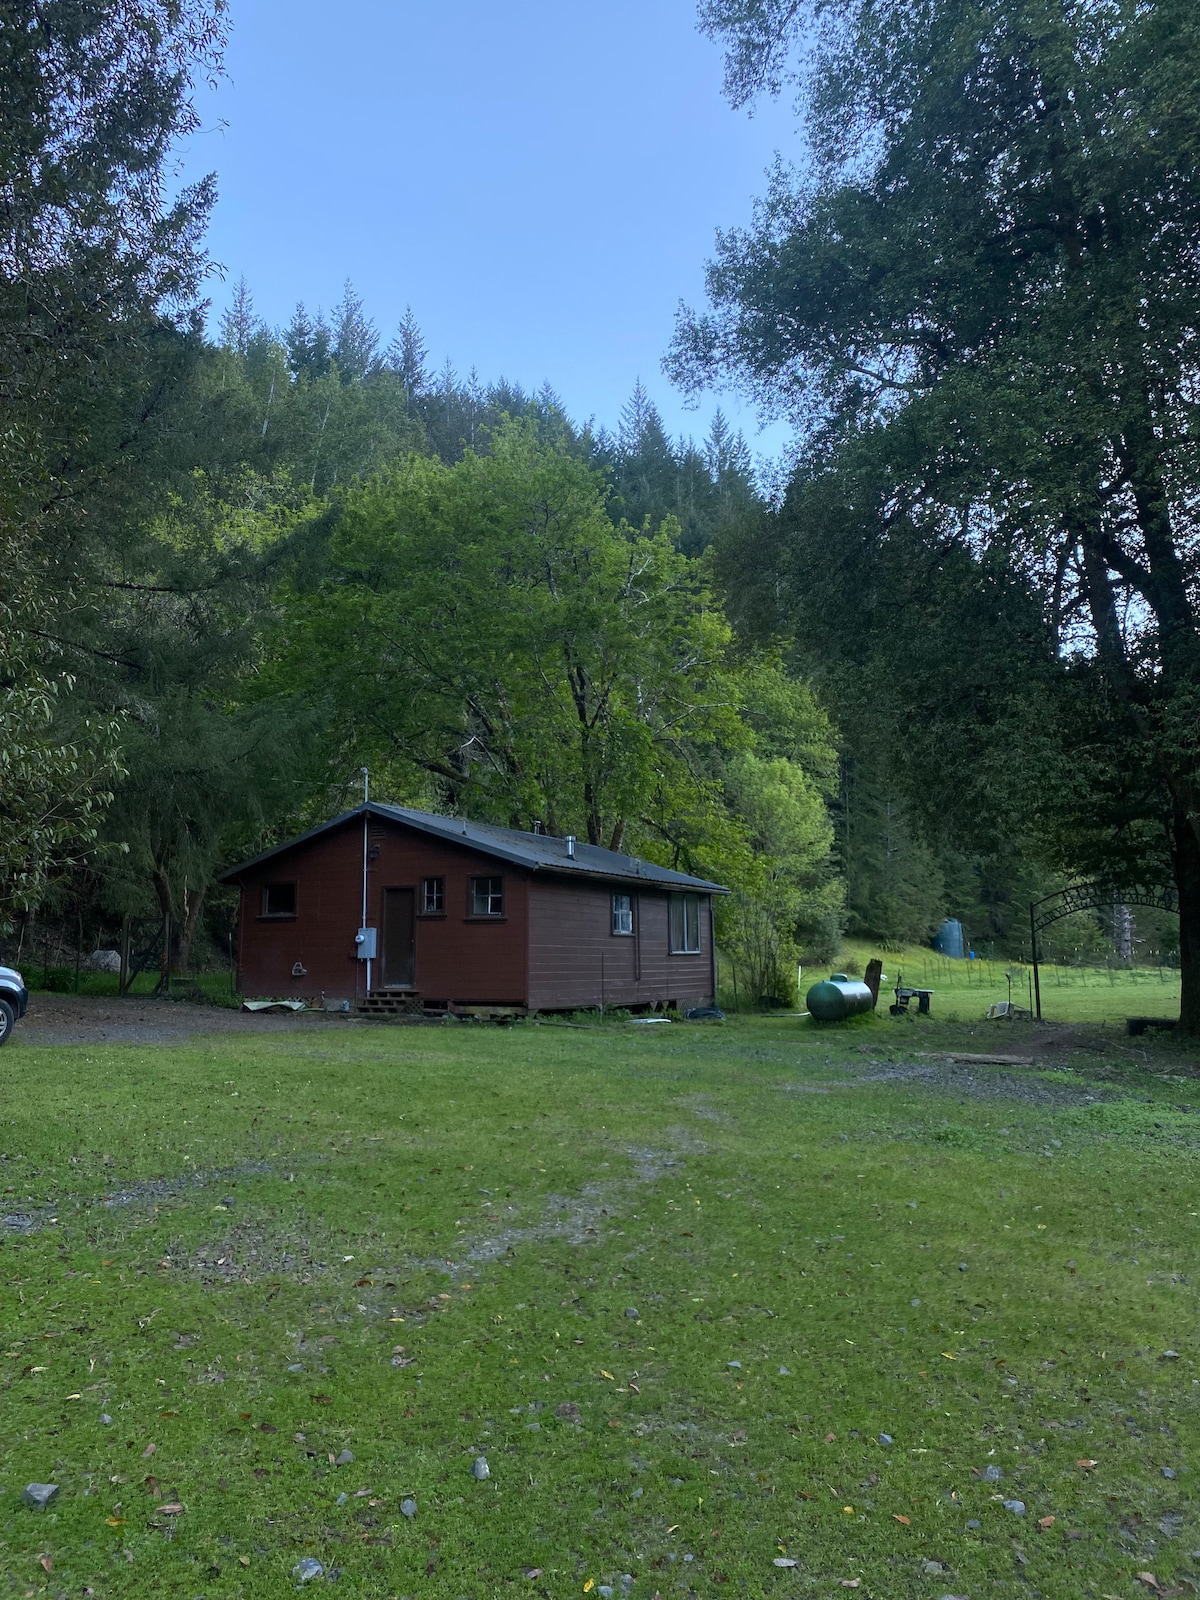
<point x="837" y="998"/>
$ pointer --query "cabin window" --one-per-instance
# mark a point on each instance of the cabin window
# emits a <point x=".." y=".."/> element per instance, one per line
<point x="433" y="897"/>
<point x="487" y="897"/>
<point x="685" y="924"/>
<point x="622" y="914"/>
<point x="278" y="900"/>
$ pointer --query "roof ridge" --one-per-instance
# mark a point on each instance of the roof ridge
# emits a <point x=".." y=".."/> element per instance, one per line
<point x="536" y="854"/>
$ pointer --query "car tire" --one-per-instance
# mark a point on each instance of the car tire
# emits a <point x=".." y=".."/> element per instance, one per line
<point x="8" y="1019"/>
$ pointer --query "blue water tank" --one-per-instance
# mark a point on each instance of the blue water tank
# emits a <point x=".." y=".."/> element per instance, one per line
<point x="949" y="940"/>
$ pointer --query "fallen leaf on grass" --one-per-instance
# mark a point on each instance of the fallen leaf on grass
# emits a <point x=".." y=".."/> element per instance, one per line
<point x="149" y="1451"/>
<point x="1149" y="1580"/>
<point x="906" y="1521"/>
<point x="243" y="1561"/>
<point x="321" y="1399"/>
<point x="850" y="1583"/>
<point x="1045" y="1522"/>
<point x="151" y="1484"/>
<point x="533" y="1572"/>
<point x="830" y="1438"/>
<point x="173" y="1509"/>
<point x="1085" y="1463"/>
<point x="115" y="1522"/>
<point x="589" y="1586"/>
<point x="47" y="1562"/>
<point x="607" y="1375"/>
<point x="784" y="1561"/>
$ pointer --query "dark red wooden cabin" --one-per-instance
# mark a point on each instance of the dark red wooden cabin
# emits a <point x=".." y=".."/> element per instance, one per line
<point x="462" y="915"/>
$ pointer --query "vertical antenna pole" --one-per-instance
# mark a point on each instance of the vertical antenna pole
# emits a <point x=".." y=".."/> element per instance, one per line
<point x="366" y="778"/>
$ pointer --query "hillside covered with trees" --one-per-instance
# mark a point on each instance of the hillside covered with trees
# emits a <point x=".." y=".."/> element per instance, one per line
<point x="952" y="663"/>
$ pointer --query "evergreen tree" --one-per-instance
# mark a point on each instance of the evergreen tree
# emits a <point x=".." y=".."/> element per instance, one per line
<point x="407" y="357"/>
<point x="355" y="341"/>
<point x="308" y="344"/>
<point x="645" y="478"/>
<point x="239" y="324"/>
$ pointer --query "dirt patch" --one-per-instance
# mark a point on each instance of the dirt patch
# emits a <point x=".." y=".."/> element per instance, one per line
<point x="54" y="1019"/>
<point x="986" y="1083"/>
<point x="580" y="1218"/>
<point x="151" y="1191"/>
<point x="245" y="1253"/>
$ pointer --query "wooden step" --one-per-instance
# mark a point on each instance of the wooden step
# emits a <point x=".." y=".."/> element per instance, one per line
<point x="391" y="1005"/>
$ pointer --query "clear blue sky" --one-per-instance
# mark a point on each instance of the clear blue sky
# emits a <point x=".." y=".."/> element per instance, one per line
<point x="542" y="180"/>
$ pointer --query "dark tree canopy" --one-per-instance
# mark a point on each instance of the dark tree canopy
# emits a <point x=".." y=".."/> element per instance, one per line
<point x="981" y="304"/>
<point x="99" y="263"/>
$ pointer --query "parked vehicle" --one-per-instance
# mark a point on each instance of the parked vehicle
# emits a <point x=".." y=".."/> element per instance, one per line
<point x="14" y="997"/>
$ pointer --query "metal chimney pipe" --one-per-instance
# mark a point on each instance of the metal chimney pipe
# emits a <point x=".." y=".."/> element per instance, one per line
<point x="571" y="846"/>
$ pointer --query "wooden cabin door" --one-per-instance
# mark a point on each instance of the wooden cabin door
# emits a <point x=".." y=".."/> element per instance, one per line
<point x="399" y="965"/>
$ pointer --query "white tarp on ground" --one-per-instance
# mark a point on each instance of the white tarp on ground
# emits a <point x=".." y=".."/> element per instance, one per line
<point x="274" y="1005"/>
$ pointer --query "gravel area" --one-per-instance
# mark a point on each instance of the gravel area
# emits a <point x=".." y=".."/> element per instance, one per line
<point x="152" y="1191"/>
<point x="54" y="1019"/>
<point x="987" y="1083"/>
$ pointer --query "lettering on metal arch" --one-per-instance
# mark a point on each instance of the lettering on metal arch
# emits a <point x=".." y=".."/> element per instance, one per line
<point x="1090" y="896"/>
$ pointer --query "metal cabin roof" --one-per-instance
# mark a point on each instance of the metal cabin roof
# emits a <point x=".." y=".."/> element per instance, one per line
<point x="537" y="852"/>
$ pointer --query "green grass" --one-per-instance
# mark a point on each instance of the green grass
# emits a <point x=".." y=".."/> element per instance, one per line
<point x="215" y="988"/>
<point x="966" y="989"/>
<point x="991" y="1275"/>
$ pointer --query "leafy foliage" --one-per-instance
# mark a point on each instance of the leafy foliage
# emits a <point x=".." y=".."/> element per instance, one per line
<point x="95" y="249"/>
<point x="488" y="641"/>
<point x="982" y="307"/>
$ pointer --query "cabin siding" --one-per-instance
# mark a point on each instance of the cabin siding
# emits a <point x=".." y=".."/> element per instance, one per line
<point x="458" y="958"/>
<point x="576" y="961"/>
<point x="553" y="948"/>
<point x="328" y="878"/>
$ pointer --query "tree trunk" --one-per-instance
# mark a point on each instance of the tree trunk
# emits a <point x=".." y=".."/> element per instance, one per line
<point x="1185" y="860"/>
<point x="194" y="905"/>
<point x="166" y="902"/>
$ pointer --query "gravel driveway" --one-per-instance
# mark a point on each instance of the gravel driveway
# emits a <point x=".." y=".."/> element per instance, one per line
<point x="54" y="1019"/>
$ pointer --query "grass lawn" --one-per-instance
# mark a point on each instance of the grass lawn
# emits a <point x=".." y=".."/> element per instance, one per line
<point x="708" y="1300"/>
<point x="965" y="989"/>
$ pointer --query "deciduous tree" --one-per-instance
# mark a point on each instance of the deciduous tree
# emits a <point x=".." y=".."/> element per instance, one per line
<point x="980" y="302"/>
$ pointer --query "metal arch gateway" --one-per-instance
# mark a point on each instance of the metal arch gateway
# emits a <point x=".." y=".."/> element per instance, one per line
<point x="1090" y="896"/>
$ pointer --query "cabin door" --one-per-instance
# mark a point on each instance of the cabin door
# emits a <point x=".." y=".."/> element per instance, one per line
<point x="399" y="945"/>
